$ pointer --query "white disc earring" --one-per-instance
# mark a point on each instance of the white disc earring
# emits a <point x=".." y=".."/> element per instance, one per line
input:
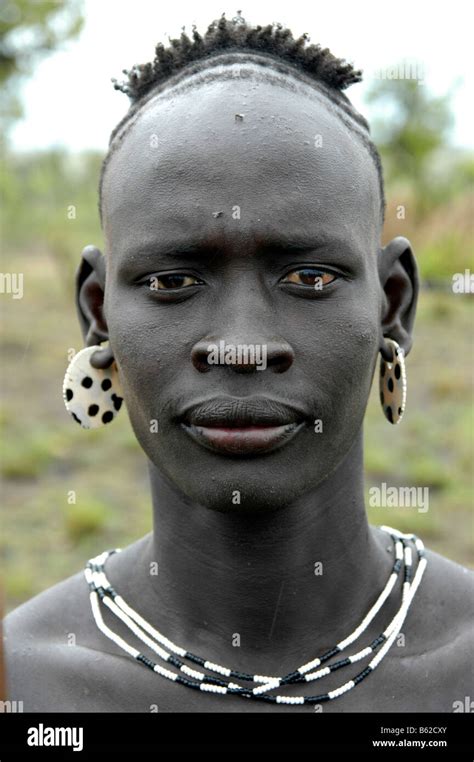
<point x="92" y="396"/>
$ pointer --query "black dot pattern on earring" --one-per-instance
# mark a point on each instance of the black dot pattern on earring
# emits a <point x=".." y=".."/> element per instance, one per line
<point x="93" y="396"/>
<point x="392" y="384"/>
<point x="117" y="401"/>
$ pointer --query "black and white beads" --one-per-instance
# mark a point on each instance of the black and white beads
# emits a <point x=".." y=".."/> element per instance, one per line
<point x="102" y="592"/>
<point x="92" y="396"/>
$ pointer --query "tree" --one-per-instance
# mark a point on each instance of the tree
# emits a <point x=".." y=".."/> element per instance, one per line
<point x="411" y="128"/>
<point x="30" y="29"/>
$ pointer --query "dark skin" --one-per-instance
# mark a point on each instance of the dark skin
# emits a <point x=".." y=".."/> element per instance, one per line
<point x="248" y="567"/>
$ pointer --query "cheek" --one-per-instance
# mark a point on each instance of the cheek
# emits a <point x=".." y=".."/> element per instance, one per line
<point x="342" y="367"/>
<point x="147" y="353"/>
<point x="358" y="336"/>
<point x="340" y="346"/>
<point x="361" y="337"/>
<point x="145" y="340"/>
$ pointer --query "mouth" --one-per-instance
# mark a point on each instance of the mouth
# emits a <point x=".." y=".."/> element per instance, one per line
<point x="242" y="426"/>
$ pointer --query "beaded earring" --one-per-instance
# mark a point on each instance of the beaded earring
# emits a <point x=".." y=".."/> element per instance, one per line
<point x="393" y="383"/>
<point x="92" y="396"/>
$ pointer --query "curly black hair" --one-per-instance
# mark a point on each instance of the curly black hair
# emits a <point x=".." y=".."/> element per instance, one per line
<point x="224" y="42"/>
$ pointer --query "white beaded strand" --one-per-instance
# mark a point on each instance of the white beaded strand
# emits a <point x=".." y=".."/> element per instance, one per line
<point x="101" y="590"/>
<point x="101" y="580"/>
<point x="390" y="633"/>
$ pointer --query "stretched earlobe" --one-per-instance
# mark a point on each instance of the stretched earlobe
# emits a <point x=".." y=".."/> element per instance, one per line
<point x="102" y="359"/>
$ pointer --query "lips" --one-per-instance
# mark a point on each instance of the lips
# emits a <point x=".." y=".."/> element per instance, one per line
<point x="242" y="426"/>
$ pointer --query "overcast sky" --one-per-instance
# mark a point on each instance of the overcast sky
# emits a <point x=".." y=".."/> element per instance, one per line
<point x="71" y="102"/>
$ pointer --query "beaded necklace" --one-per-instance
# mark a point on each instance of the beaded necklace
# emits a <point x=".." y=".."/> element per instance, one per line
<point x="101" y="591"/>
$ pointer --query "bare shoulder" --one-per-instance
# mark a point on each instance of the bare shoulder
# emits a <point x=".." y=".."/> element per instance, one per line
<point x="61" y="611"/>
<point x="443" y="606"/>
<point x="54" y="653"/>
<point x="54" y="610"/>
<point x="447" y="589"/>
<point x="38" y="636"/>
<point x="439" y="632"/>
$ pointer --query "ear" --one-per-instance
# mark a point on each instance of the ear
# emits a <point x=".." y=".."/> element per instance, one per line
<point x="398" y="273"/>
<point x="90" y="289"/>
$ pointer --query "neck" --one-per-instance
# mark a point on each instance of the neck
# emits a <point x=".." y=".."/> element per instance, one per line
<point x="285" y="584"/>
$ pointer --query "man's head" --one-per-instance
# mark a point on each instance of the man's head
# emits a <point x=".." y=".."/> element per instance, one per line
<point x="284" y="60"/>
<point x="242" y="206"/>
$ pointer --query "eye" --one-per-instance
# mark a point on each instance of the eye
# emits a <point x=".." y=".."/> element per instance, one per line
<point x="310" y="277"/>
<point x="172" y="281"/>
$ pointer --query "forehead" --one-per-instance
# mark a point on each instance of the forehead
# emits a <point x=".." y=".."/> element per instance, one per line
<point x="280" y="155"/>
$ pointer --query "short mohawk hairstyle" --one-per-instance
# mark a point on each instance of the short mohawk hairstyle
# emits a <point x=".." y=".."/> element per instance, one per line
<point x="273" y="45"/>
<point x="223" y="35"/>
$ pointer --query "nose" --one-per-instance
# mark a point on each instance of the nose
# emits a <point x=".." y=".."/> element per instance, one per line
<point x="242" y="357"/>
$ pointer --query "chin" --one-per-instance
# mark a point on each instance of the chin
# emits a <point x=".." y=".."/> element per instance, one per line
<point x="234" y="485"/>
<point x="237" y="486"/>
<point x="247" y="502"/>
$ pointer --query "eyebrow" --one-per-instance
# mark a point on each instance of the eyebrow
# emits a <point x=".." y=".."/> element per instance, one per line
<point x="286" y="244"/>
<point x="280" y="244"/>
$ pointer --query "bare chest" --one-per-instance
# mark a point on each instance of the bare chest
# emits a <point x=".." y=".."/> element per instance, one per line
<point x="424" y="683"/>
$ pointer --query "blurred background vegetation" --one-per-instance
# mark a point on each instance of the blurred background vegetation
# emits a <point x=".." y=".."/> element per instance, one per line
<point x="68" y="494"/>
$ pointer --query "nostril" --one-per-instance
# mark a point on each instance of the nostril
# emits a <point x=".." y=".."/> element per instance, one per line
<point x="281" y="360"/>
<point x="200" y="357"/>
